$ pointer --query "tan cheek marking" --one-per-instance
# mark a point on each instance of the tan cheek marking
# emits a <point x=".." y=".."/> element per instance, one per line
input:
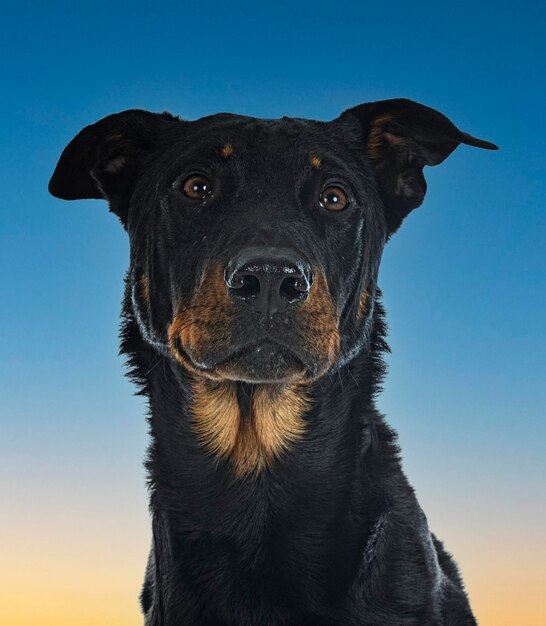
<point x="319" y="320"/>
<point x="211" y="312"/>
<point x="144" y="284"/>
<point x="315" y="161"/>
<point x="205" y="321"/>
<point x="253" y="443"/>
<point x="227" y="150"/>
<point x="178" y="331"/>
<point x="362" y="301"/>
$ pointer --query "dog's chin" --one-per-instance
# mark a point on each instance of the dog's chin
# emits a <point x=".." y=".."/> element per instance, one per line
<point x="264" y="362"/>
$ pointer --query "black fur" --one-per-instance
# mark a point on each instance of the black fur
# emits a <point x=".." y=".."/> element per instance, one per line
<point x="332" y="533"/>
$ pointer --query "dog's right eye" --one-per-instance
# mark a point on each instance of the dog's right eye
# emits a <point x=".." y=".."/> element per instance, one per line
<point x="333" y="199"/>
<point x="197" y="187"/>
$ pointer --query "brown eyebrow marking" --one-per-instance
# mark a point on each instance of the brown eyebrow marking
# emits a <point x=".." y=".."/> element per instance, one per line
<point x="227" y="150"/>
<point x="315" y="161"/>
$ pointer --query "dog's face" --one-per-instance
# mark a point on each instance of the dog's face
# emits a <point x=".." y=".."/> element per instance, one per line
<point x="255" y="244"/>
<point x="251" y="246"/>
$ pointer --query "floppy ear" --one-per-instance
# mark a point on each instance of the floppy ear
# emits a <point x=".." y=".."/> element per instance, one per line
<point x="104" y="159"/>
<point x="402" y="137"/>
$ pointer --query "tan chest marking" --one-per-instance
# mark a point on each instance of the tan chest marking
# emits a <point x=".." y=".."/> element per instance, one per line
<point x="251" y="442"/>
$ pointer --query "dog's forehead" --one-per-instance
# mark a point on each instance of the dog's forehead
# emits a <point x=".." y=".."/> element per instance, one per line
<point x="251" y="133"/>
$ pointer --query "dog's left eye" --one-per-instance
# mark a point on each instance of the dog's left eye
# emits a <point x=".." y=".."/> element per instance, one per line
<point x="333" y="199"/>
<point x="197" y="187"/>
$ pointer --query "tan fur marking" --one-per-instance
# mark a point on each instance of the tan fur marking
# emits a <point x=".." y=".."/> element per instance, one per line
<point x="278" y="415"/>
<point x="227" y="151"/>
<point x="144" y="284"/>
<point x="205" y="321"/>
<point x="216" y="415"/>
<point x="178" y="332"/>
<point x="376" y="138"/>
<point x="315" y="161"/>
<point x="319" y="321"/>
<point x="251" y="443"/>
<point x="362" y="301"/>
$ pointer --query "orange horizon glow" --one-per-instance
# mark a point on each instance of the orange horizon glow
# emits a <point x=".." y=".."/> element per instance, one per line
<point x="91" y="575"/>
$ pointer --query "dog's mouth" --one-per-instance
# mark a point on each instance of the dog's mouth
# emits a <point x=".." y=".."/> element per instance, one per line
<point x="223" y="339"/>
<point x="263" y="361"/>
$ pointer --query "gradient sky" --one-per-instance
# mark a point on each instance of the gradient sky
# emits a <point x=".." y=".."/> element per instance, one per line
<point x="464" y="279"/>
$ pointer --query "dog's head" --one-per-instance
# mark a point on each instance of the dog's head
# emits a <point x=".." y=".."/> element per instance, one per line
<point x="255" y="243"/>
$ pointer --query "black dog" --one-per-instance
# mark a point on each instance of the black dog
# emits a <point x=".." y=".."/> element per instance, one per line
<point x="252" y="321"/>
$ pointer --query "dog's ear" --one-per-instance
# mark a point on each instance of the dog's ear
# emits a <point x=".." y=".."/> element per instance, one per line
<point x="104" y="159"/>
<point x="401" y="137"/>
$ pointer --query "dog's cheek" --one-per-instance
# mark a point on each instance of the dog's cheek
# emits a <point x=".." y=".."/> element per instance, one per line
<point x="203" y="326"/>
<point x="178" y="334"/>
<point x="140" y="298"/>
<point x="150" y="311"/>
<point x="362" y="307"/>
<point x="143" y="292"/>
<point x="319" y="325"/>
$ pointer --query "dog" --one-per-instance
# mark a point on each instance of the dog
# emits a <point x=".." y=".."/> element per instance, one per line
<point x="253" y="323"/>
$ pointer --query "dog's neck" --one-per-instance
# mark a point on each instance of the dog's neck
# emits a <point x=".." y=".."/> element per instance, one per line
<point x="262" y="468"/>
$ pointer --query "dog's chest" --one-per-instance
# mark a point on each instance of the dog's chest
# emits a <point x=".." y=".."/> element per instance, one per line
<point x="262" y="550"/>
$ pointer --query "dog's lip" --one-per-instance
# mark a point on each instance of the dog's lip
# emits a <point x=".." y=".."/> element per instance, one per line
<point x="265" y="361"/>
<point x="240" y="351"/>
<point x="260" y="346"/>
<point x="229" y="364"/>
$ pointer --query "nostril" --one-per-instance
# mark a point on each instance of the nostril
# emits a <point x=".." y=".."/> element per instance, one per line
<point x="294" y="288"/>
<point x="245" y="285"/>
<point x="268" y="281"/>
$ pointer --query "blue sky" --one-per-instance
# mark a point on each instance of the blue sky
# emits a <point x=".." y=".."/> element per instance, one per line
<point x="464" y="279"/>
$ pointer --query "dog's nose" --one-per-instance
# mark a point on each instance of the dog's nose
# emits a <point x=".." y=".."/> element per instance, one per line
<point x="267" y="280"/>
